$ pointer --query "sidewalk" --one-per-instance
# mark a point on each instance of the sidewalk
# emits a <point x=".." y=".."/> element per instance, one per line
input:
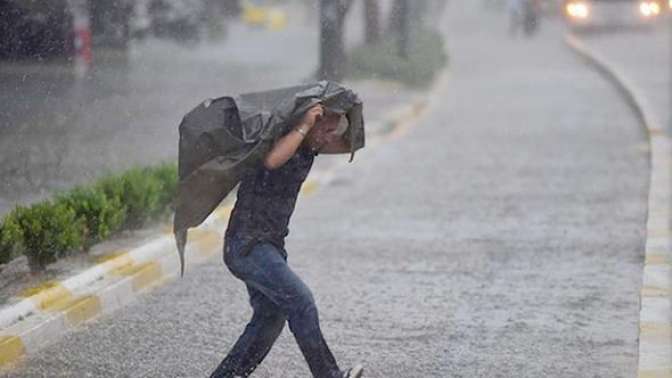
<point x="644" y="86"/>
<point x="644" y="58"/>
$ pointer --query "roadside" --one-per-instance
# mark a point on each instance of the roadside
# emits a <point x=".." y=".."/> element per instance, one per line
<point x="643" y="56"/>
<point x="644" y="86"/>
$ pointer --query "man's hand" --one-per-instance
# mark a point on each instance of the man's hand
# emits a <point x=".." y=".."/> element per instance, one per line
<point x="286" y="146"/>
<point x="311" y="117"/>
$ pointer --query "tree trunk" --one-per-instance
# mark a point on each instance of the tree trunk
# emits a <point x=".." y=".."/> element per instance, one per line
<point x="372" y="22"/>
<point x="110" y="23"/>
<point x="332" y="47"/>
<point x="399" y="24"/>
<point x="394" y="17"/>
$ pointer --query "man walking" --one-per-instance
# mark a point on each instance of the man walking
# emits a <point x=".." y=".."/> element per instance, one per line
<point x="254" y="250"/>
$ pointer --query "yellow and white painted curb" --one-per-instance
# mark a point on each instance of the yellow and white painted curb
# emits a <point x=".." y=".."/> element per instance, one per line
<point x="49" y="312"/>
<point x="655" y="317"/>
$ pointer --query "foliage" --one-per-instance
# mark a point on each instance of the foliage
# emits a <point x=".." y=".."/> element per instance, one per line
<point x="166" y="174"/>
<point x="426" y="57"/>
<point x="101" y="215"/>
<point x="11" y="239"/>
<point x="50" y="230"/>
<point x="86" y="215"/>
<point x="141" y="197"/>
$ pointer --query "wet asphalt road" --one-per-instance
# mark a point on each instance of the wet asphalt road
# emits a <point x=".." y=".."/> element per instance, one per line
<point x="502" y="236"/>
<point x="643" y="55"/>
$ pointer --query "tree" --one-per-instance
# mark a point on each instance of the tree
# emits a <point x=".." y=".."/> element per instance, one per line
<point x="372" y="22"/>
<point x="399" y="25"/>
<point x="110" y="22"/>
<point x="332" y="47"/>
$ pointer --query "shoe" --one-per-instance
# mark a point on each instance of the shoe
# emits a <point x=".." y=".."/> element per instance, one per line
<point x="355" y="372"/>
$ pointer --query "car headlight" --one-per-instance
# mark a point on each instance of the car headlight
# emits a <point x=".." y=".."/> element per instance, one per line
<point x="655" y="8"/>
<point x="649" y="8"/>
<point x="578" y="9"/>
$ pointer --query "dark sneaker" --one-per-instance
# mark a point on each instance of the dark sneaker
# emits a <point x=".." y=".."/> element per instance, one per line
<point x="355" y="372"/>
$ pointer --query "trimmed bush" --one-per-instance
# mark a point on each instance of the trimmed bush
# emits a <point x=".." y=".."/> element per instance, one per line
<point x="166" y="174"/>
<point x="426" y="57"/>
<point x="112" y="187"/>
<point x="50" y="231"/>
<point x="141" y="196"/>
<point x="11" y="239"/>
<point x="86" y="215"/>
<point x="101" y="215"/>
<point x="145" y="193"/>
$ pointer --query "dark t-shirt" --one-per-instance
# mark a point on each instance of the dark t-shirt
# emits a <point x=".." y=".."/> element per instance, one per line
<point x="266" y="201"/>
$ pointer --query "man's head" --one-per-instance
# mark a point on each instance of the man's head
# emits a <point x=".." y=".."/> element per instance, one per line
<point x="327" y="128"/>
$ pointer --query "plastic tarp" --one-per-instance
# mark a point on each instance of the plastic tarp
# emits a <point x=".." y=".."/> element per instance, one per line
<point x="222" y="139"/>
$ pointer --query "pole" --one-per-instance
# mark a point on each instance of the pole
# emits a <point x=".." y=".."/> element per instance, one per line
<point x="83" y="52"/>
<point x="332" y="54"/>
<point x="403" y="28"/>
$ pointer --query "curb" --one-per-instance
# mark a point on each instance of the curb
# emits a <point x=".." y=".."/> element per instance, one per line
<point x="655" y="317"/>
<point x="58" y="308"/>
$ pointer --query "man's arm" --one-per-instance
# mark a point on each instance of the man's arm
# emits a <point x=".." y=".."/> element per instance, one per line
<point x="286" y="146"/>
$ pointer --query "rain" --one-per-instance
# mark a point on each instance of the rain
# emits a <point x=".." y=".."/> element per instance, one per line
<point x="490" y="199"/>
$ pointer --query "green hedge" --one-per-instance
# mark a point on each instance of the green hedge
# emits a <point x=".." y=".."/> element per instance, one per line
<point x="50" y="230"/>
<point x="83" y="216"/>
<point x="100" y="215"/>
<point x="11" y="238"/>
<point x="426" y="57"/>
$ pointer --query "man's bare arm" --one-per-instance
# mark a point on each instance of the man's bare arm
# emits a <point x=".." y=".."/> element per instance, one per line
<point x="286" y="146"/>
<point x="283" y="149"/>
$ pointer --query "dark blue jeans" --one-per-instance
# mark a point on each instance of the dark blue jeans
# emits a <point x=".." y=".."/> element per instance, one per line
<point x="277" y="295"/>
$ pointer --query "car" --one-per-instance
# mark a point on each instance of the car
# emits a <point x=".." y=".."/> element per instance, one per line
<point x="258" y="15"/>
<point x="36" y="30"/>
<point x="601" y="14"/>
